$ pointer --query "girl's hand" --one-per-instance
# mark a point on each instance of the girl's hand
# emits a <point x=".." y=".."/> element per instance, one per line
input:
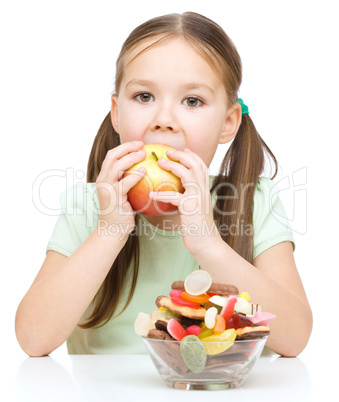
<point x="195" y="204"/>
<point x="116" y="213"/>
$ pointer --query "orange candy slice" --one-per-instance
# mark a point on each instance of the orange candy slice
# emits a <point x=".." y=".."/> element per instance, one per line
<point x="201" y="299"/>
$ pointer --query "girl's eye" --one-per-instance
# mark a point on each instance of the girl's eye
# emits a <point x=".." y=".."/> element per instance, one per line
<point x="192" y="102"/>
<point x="144" y="97"/>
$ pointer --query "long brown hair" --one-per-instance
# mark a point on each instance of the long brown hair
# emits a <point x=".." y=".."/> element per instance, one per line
<point x="243" y="163"/>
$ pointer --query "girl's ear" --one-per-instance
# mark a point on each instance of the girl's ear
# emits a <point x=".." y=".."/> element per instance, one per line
<point x="114" y="113"/>
<point x="232" y="124"/>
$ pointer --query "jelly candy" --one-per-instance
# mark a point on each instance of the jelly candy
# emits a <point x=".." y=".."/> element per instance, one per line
<point x="175" y="293"/>
<point x="228" y="309"/>
<point x="220" y="324"/>
<point x="193" y="330"/>
<point x="176" y="330"/>
<point x="193" y="353"/>
<point x="243" y="306"/>
<point x="181" y="302"/>
<point x="219" y="343"/>
<point x="218" y="300"/>
<point x="198" y="282"/>
<point x="238" y="321"/>
<point x="143" y="324"/>
<point x="262" y="318"/>
<point x="204" y="331"/>
<point x="245" y="295"/>
<point x="210" y="317"/>
<point x="201" y="299"/>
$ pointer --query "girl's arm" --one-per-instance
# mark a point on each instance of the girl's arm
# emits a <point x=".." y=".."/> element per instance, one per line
<point x="61" y="292"/>
<point x="65" y="287"/>
<point x="272" y="281"/>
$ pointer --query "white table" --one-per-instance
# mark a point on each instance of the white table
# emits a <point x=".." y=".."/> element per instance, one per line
<point x="128" y="378"/>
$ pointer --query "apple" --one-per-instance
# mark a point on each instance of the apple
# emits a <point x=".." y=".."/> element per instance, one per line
<point x="155" y="179"/>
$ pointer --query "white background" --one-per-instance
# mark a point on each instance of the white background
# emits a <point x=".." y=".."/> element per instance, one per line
<point x="57" y="73"/>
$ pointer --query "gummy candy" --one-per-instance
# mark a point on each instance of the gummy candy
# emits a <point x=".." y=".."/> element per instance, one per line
<point x="210" y="317"/>
<point x="245" y="295"/>
<point x="220" y="324"/>
<point x="198" y="282"/>
<point x="193" y="353"/>
<point x="217" y="343"/>
<point x="262" y="318"/>
<point x="228" y="309"/>
<point x="204" y="331"/>
<point x="238" y="321"/>
<point x="201" y="299"/>
<point x="179" y="301"/>
<point x="176" y="330"/>
<point x="193" y="330"/>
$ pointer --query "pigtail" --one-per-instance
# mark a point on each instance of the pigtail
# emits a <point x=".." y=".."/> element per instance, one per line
<point x="235" y="184"/>
<point x="107" y="298"/>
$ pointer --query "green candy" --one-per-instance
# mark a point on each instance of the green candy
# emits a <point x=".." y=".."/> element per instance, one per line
<point x="193" y="353"/>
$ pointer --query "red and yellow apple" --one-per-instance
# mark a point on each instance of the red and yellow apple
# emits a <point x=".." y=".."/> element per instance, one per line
<point x="155" y="179"/>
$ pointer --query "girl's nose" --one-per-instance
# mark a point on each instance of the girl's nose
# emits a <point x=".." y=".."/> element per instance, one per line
<point x="165" y="120"/>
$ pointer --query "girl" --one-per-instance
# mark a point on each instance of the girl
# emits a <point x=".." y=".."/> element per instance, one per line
<point x="177" y="80"/>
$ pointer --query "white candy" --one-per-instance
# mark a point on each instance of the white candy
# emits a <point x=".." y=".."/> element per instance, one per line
<point x="210" y="317"/>
<point x="143" y="324"/>
<point x="243" y="306"/>
<point x="198" y="282"/>
<point x="218" y="300"/>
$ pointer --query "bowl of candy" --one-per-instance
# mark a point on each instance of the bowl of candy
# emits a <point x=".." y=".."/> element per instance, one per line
<point x="205" y="335"/>
<point x="211" y="365"/>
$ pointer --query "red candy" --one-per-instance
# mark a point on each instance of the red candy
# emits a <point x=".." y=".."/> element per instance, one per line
<point x="228" y="309"/>
<point x="175" y="293"/>
<point x="193" y="330"/>
<point x="176" y="330"/>
<point x="179" y="301"/>
<point x="238" y="321"/>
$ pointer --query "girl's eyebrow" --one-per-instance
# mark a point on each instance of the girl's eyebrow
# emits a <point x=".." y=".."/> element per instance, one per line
<point x="188" y="86"/>
<point x="145" y="83"/>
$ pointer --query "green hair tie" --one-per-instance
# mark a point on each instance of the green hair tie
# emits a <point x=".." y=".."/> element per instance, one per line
<point x="244" y="108"/>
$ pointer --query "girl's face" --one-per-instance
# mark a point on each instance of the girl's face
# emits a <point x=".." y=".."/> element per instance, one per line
<point x="170" y="95"/>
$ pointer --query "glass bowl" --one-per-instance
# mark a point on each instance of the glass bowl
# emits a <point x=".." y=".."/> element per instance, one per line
<point x="224" y="370"/>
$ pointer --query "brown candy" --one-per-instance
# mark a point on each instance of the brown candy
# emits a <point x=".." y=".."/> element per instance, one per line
<point x="217" y="288"/>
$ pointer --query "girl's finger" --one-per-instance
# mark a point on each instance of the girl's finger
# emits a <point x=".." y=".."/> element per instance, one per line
<point x="118" y="152"/>
<point x="171" y="197"/>
<point x="127" y="161"/>
<point x="130" y="180"/>
<point x="176" y="168"/>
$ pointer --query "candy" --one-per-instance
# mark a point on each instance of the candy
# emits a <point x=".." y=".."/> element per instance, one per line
<point x="143" y="324"/>
<point x="193" y="330"/>
<point x="219" y="343"/>
<point x="220" y="324"/>
<point x="201" y="299"/>
<point x="163" y="315"/>
<point x="204" y="331"/>
<point x="245" y="295"/>
<point x="198" y="282"/>
<point x="210" y="317"/>
<point x="238" y="321"/>
<point x="219" y="300"/>
<point x="175" y="293"/>
<point x="181" y="302"/>
<point x="243" y="306"/>
<point x="193" y="353"/>
<point x="175" y="329"/>
<point x="228" y="309"/>
<point x="262" y="318"/>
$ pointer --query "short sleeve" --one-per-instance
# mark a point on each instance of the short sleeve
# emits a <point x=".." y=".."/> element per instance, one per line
<point x="78" y="218"/>
<point x="270" y="223"/>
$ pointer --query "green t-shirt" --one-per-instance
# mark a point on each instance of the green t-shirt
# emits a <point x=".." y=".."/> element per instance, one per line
<point x="163" y="259"/>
